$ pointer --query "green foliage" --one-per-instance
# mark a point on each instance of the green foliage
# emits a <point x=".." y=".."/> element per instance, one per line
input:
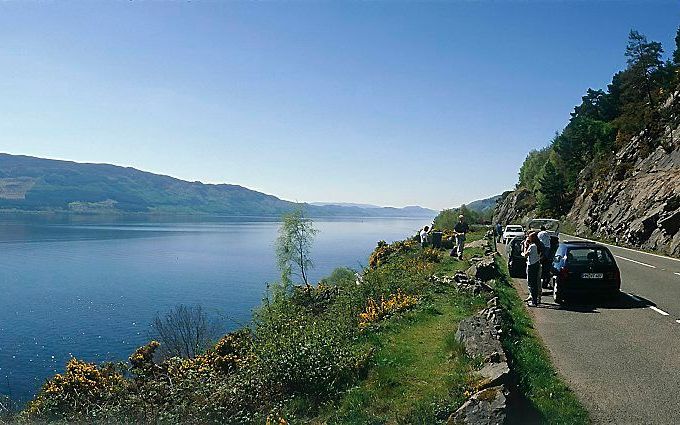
<point x="676" y="52"/>
<point x="551" y="191"/>
<point x="447" y="218"/>
<point x="293" y="246"/>
<point x="581" y="141"/>
<point x="602" y="123"/>
<point x="531" y="168"/>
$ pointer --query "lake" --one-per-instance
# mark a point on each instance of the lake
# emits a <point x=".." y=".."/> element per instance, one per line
<point x="89" y="287"/>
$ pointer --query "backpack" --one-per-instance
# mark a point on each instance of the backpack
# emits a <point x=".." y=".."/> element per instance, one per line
<point x="542" y="251"/>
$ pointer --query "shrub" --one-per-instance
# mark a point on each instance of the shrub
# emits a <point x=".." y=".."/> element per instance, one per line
<point x="80" y="391"/>
<point x="376" y="311"/>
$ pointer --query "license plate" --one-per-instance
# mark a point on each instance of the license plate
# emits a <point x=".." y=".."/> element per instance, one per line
<point x="592" y="275"/>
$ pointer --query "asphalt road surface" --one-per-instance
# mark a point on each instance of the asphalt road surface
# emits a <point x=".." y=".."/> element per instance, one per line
<point x="622" y="358"/>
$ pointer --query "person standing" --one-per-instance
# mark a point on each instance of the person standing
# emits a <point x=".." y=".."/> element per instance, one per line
<point x="461" y="228"/>
<point x="423" y="236"/>
<point x="532" y="254"/>
<point x="499" y="232"/>
<point x="546" y="260"/>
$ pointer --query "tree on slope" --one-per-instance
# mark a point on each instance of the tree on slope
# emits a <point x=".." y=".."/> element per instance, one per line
<point x="644" y="62"/>
<point x="551" y="190"/>
<point x="676" y="52"/>
<point x="293" y="247"/>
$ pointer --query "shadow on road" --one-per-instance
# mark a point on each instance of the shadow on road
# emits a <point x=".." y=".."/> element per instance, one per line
<point x="622" y="302"/>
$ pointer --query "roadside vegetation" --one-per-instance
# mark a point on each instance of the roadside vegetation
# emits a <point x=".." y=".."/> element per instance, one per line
<point x="372" y="347"/>
<point x="447" y="219"/>
<point x="538" y="381"/>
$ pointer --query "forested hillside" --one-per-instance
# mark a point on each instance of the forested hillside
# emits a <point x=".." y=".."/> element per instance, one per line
<point x="614" y="170"/>
<point x="44" y="185"/>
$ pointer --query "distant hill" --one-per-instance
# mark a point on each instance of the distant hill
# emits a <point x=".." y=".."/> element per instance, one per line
<point x="408" y="210"/>
<point x="45" y="185"/>
<point x="344" y="204"/>
<point x="484" y="205"/>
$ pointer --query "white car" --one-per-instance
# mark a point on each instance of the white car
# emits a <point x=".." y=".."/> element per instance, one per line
<point x="512" y="231"/>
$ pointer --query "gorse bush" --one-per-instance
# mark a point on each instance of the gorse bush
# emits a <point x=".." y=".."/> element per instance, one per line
<point x="82" y="388"/>
<point x="383" y="251"/>
<point x="375" y="311"/>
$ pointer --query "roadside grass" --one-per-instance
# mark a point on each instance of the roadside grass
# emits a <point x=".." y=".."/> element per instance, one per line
<point x="538" y="379"/>
<point x="420" y="373"/>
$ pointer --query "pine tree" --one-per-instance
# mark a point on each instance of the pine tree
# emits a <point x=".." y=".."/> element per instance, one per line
<point x="676" y="52"/>
<point x="551" y="190"/>
<point x="644" y="60"/>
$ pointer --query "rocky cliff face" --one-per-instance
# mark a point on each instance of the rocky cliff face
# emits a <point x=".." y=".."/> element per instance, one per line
<point x="515" y="207"/>
<point x="639" y="205"/>
<point x="636" y="204"/>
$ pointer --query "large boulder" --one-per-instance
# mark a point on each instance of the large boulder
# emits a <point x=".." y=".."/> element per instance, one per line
<point x="493" y="374"/>
<point x="479" y="243"/>
<point x="483" y="269"/>
<point x="480" y="334"/>
<point x="486" y="407"/>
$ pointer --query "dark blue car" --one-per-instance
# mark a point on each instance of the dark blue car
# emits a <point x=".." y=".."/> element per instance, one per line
<point x="584" y="270"/>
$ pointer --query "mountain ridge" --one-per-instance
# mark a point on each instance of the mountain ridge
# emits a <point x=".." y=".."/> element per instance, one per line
<point x="31" y="184"/>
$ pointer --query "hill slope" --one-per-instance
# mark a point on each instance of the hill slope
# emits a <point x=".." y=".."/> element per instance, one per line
<point x="483" y="205"/>
<point x="35" y="184"/>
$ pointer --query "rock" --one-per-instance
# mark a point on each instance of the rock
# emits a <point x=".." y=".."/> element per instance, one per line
<point x="481" y="338"/>
<point x="671" y="223"/>
<point x="461" y="277"/>
<point x="493" y="374"/>
<point x="486" y="407"/>
<point x="480" y="243"/>
<point x="483" y="269"/>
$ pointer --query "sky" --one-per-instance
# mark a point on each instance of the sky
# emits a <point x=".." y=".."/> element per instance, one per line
<point x="391" y="103"/>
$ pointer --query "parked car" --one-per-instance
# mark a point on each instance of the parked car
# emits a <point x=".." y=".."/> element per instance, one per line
<point x="517" y="263"/>
<point x="511" y="231"/>
<point x="584" y="269"/>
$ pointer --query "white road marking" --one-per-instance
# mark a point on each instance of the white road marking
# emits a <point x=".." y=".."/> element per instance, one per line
<point x="676" y="273"/>
<point x="634" y="298"/>
<point x="658" y="310"/>
<point x="627" y="249"/>
<point x="636" y="262"/>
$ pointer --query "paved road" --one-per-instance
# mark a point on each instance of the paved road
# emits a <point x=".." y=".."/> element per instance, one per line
<point x="622" y="359"/>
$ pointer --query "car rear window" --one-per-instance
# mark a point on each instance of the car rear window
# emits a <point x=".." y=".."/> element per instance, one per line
<point x="586" y="256"/>
<point x="513" y="229"/>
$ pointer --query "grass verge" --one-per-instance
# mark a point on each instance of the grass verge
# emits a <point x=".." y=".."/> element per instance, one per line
<point x="419" y="373"/>
<point x="538" y="380"/>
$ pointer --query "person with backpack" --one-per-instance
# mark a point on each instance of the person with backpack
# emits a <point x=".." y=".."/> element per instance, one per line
<point x="532" y="252"/>
<point x="546" y="260"/>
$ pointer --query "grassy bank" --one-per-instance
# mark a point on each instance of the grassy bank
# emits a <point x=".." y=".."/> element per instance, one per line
<point x="371" y="349"/>
<point x="547" y="394"/>
<point x="420" y="373"/>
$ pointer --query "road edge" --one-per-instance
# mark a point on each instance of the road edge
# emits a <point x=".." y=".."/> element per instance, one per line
<point x="548" y="397"/>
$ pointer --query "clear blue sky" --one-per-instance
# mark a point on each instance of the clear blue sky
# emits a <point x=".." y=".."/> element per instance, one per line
<point x="392" y="103"/>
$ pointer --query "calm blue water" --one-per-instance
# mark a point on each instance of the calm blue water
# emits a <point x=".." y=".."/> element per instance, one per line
<point x="89" y="288"/>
